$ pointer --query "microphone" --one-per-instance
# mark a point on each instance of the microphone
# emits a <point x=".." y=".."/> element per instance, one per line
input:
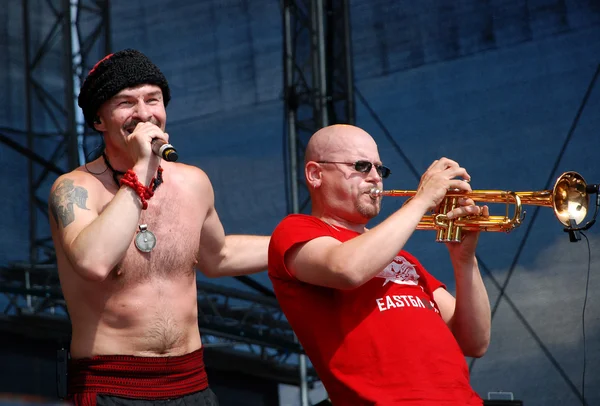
<point x="164" y="150"/>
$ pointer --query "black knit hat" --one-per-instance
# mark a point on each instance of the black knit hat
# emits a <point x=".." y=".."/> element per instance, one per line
<point x="115" y="72"/>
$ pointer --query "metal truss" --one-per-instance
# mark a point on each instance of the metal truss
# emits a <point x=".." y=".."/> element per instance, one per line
<point x="60" y="37"/>
<point x="318" y="91"/>
<point x="318" y="81"/>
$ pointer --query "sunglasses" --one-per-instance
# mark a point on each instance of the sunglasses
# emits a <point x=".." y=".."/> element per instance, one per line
<point x="364" y="167"/>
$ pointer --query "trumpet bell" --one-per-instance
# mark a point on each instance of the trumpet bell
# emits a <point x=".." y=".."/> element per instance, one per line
<point x="571" y="199"/>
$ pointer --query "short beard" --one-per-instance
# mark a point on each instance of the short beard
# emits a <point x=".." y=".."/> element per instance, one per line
<point x="368" y="211"/>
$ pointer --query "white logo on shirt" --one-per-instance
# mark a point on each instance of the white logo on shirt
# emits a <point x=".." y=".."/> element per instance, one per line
<point x="400" y="271"/>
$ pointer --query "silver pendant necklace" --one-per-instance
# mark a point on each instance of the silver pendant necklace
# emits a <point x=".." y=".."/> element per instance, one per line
<point x="145" y="240"/>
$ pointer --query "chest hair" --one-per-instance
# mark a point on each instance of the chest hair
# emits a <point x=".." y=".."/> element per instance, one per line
<point x="176" y="223"/>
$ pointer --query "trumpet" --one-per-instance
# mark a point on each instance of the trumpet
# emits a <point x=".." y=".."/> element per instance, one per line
<point x="569" y="199"/>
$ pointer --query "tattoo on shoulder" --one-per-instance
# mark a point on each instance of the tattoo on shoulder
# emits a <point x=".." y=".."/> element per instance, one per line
<point x="62" y="199"/>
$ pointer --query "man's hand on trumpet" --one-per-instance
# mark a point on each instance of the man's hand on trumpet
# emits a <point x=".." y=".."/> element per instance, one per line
<point x="467" y="207"/>
<point x="445" y="175"/>
<point x="442" y="176"/>
<point x="464" y="252"/>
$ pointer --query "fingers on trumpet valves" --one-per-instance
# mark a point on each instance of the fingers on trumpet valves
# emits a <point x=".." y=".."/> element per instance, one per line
<point x="468" y="209"/>
<point x="461" y="180"/>
<point x="459" y="185"/>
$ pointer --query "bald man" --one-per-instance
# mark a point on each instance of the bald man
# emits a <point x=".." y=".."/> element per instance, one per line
<point x="378" y="328"/>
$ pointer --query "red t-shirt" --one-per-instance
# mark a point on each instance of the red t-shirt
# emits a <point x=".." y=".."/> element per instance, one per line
<point x="383" y="343"/>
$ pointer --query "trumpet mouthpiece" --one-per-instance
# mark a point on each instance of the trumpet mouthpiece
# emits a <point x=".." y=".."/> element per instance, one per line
<point x="376" y="192"/>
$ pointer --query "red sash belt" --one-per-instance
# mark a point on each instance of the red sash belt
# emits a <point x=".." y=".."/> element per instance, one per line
<point x="136" y="377"/>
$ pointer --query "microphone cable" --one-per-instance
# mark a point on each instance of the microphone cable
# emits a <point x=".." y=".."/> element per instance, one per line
<point x="587" y="285"/>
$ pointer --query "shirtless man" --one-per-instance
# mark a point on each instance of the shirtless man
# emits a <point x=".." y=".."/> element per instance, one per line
<point x="129" y="230"/>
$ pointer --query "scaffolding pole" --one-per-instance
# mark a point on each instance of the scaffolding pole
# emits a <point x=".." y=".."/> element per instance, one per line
<point x="318" y="91"/>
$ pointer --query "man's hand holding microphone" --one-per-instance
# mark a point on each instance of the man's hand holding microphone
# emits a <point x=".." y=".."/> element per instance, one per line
<point x="147" y="140"/>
